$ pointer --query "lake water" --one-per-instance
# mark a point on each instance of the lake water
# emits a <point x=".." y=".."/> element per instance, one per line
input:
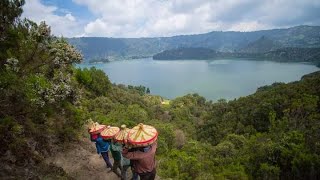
<point x="213" y="79"/>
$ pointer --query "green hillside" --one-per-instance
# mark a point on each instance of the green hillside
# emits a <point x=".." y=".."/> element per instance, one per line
<point x="46" y="101"/>
<point x="294" y="55"/>
<point x="248" y="42"/>
<point x="262" y="45"/>
<point x="311" y="55"/>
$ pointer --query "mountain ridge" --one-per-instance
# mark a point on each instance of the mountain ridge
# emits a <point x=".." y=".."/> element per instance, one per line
<point x="288" y="54"/>
<point x="96" y="48"/>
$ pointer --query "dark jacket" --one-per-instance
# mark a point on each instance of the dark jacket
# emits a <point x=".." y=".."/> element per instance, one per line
<point x="143" y="161"/>
<point x="116" y="150"/>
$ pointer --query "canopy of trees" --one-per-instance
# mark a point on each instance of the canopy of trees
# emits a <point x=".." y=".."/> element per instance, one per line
<point x="45" y="100"/>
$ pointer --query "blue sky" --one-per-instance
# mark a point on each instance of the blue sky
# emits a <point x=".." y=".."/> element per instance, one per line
<point x="154" y="18"/>
<point x="67" y="6"/>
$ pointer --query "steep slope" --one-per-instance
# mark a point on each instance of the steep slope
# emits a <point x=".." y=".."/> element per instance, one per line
<point x="117" y="48"/>
<point x="80" y="161"/>
<point x="263" y="44"/>
<point x="186" y="53"/>
<point x="294" y="54"/>
<point x="311" y="55"/>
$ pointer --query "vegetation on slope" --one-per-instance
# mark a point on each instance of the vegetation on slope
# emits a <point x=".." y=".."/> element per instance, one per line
<point x="118" y="48"/>
<point x="268" y="135"/>
<point x="294" y="55"/>
<point x="38" y="94"/>
<point x="283" y="55"/>
<point x="187" y="54"/>
<point x="262" y="45"/>
<point x="271" y="134"/>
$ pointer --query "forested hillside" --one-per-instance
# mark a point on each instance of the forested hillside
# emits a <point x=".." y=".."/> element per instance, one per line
<point x="262" y="45"/>
<point x="101" y="48"/>
<point x="45" y="102"/>
<point x="294" y="55"/>
<point x="187" y="54"/>
<point x="268" y="135"/>
<point x="311" y="55"/>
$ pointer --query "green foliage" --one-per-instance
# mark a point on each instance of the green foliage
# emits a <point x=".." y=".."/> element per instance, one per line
<point x="232" y="171"/>
<point x="94" y="80"/>
<point x="183" y="166"/>
<point x="267" y="171"/>
<point x="95" y="48"/>
<point x="140" y="89"/>
<point x="272" y="134"/>
<point x="10" y="10"/>
<point x="166" y="137"/>
<point x="38" y="92"/>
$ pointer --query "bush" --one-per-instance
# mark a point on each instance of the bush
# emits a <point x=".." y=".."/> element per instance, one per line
<point x="94" y="80"/>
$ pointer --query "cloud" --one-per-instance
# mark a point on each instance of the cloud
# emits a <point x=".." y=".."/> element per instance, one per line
<point x="150" y="18"/>
<point x="266" y="13"/>
<point x="61" y="25"/>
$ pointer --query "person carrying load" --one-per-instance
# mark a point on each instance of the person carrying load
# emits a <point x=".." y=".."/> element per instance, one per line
<point x="116" y="148"/>
<point x="144" y="139"/>
<point x="120" y="139"/>
<point x="102" y="146"/>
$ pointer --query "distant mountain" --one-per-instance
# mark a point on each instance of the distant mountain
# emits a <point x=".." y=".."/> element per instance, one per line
<point x="263" y="44"/>
<point x="186" y="53"/>
<point x="193" y="54"/>
<point x="294" y="54"/>
<point x="230" y="41"/>
<point x="284" y="54"/>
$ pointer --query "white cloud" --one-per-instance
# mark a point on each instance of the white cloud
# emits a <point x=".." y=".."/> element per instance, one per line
<point x="248" y="26"/>
<point x="61" y="25"/>
<point x="137" y="18"/>
<point x="132" y="18"/>
<point x="149" y="18"/>
<point x="70" y="17"/>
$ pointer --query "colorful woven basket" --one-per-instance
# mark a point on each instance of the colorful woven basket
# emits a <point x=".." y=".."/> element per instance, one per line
<point x="122" y="136"/>
<point x="96" y="128"/>
<point x="109" y="132"/>
<point x="142" y="135"/>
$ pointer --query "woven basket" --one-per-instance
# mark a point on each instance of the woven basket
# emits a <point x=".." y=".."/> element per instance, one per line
<point x="142" y="135"/>
<point x="122" y="136"/>
<point x="109" y="132"/>
<point x="96" y="128"/>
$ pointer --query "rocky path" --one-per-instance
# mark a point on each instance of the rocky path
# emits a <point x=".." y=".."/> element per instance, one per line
<point x="82" y="162"/>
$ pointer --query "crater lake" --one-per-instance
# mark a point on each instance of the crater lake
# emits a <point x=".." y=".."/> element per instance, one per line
<point x="213" y="79"/>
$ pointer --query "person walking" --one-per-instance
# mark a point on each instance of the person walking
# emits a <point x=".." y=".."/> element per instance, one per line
<point x="125" y="166"/>
<point x="143" y="161"/>
<point x="103" y="149"/>
<point x="116" y="149"/>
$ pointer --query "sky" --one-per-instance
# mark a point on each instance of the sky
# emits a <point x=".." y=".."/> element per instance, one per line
<point x="159" y="18"/>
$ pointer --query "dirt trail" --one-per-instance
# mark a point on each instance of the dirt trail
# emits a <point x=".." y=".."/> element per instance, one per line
<point x="82" y="162"/>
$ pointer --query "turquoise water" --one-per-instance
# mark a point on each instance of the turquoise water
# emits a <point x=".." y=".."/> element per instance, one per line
<point x="214" y="79"/>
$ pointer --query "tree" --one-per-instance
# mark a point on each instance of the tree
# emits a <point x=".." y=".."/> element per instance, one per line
<point x="94" y="80"/>
<point x="10" y="10"/>
<point x="38" y="91"/>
